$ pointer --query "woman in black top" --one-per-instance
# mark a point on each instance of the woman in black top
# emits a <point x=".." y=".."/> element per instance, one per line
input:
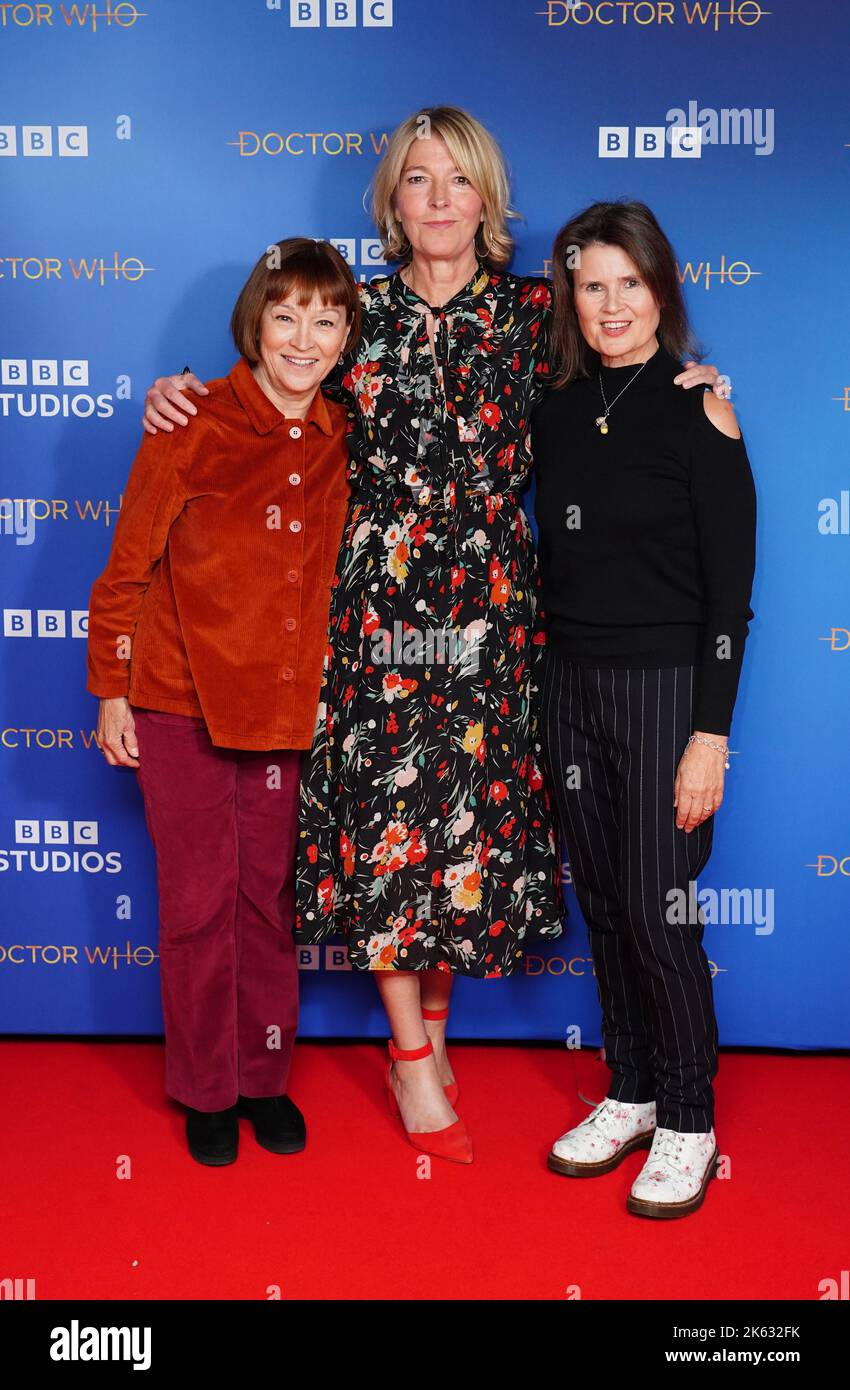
<point x="646" y="514"/>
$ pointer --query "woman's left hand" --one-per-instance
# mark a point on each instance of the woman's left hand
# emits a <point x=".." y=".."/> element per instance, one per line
<point x="698" y="789"/>
<point x="703" y="374"/>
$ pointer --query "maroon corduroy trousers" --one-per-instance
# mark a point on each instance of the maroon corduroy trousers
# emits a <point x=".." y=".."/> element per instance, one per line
<point x="224" y="824"/>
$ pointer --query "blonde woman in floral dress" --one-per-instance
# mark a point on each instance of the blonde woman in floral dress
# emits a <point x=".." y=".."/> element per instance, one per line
<point x="427" y="835"/>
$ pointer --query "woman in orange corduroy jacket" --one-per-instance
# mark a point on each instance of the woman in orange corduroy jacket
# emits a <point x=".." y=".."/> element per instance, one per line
<point x="207" y="633"/>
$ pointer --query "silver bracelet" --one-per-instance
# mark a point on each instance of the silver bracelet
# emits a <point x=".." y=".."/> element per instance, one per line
<point x="718" y="747"/>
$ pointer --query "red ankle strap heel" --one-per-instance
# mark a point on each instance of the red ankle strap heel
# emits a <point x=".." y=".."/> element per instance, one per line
<point x="452" y="1090"/>
<point x="452" y="1142"/>
<point x="414" y="1054"/>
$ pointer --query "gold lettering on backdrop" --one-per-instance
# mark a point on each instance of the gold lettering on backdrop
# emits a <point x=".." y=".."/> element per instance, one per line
<point x="579" y="966"/>
<point x="735" y="273"/>
<point x="36" y="738"/>
<point x="705" y="14"/>
<point x="16" y="954"/>
<point x="297" y="143"/>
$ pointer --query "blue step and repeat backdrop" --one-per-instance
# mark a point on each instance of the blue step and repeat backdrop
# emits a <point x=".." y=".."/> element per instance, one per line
<point x="148" y="154"/>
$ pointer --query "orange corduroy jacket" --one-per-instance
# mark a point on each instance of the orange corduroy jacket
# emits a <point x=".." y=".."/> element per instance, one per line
<point x="215" y="598"/>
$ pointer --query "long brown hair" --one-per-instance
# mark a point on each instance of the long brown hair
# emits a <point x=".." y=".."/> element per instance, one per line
<point x="632" y="227"/>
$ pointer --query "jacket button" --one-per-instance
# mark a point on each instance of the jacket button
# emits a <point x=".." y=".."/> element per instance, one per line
<point x="295" y="479"/>
<point x="292" y="576"/>
<point x="290" y="624"/>
<point x="295" y="525"/>
<point x="295" y="432"/>
<point x="287" y="673"/>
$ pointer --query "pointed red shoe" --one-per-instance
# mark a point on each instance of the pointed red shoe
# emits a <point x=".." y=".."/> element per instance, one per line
<point x="452" y="1090"/>
<point x="453" y="1142"/>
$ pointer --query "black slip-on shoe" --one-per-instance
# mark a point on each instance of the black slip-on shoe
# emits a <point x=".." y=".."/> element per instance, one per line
<point x="278" y="1123"/>
<point x="213" y="1135"/>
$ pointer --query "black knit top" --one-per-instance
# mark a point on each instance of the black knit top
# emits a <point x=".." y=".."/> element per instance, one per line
<point x="646" y="533"/>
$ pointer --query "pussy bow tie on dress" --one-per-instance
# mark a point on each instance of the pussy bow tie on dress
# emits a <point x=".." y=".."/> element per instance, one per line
<point x="449" y="355"/>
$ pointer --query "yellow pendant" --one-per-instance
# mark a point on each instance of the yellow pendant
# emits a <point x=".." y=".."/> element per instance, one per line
<point x="603" y="429"/>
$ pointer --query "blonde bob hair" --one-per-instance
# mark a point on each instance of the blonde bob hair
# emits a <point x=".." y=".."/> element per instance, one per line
<point x="478" y="158"/>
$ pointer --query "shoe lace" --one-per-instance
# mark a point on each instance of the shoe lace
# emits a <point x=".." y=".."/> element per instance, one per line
<point x="602" y="1114"/>
<point x="669" y="1148"/>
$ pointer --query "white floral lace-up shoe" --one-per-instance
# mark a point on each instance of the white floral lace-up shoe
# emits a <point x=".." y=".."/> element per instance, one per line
<point x="674" y="1179"/>
<point x="602" y="1140"/>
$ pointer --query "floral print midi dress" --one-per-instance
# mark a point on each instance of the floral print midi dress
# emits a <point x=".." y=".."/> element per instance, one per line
<point x="427" y="835"/>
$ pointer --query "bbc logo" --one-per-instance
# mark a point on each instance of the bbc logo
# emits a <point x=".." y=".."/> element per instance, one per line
<point x="651" y="141"/>
<point x="340" y="14"/>
<point x="371" y="250"/>
<point x="336" y="958"/>
<point x="43" y="371"/>
<point x="50" y="622"/>
<point x="56" y="832"/>
<point x="37" y="141"/>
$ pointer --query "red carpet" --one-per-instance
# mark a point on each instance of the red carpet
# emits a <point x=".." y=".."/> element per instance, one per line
<point x="349" y="1218"/>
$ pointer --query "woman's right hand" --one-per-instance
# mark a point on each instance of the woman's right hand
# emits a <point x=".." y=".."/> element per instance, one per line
<point x="116" y="733"/>
<point x="164" y="402"/>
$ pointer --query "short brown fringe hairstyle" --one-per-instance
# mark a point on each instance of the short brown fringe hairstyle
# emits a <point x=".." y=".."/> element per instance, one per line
<point x="301" y="266"/>
<point x="632" y="227"/>
<point x="477" y="156"/>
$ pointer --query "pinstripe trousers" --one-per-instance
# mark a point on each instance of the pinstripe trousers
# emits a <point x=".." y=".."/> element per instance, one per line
<point x="612" y="740"/>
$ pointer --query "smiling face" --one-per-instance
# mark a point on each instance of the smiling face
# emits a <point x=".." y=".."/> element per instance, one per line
<point x="436" y="204"/>
<point x="617" y="312"/>
<point x="298" y="345"/>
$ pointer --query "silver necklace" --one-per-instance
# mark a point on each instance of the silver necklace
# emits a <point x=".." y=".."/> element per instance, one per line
<point x="602" y="420"/>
